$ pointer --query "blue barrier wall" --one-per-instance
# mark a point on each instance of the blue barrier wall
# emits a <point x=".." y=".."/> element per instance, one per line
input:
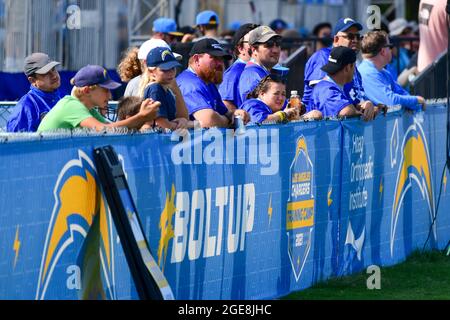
<point x="254" y="216"/>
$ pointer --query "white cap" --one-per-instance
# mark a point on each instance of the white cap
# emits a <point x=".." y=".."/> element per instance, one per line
<point x="148" y="45"/>
<point x="294" y="92"/>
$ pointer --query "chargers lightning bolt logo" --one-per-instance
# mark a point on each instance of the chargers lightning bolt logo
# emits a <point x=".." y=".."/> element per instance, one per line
<point x="78" y="202"/>
<point x="414" y="166"/>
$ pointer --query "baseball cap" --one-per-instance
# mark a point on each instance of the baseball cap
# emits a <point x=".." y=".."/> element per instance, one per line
<point x="94" y="75"/>
<point x="261" y="34"/>
<point x="148" y="45"/>
<point x="162" y="58"/>
<point x="338" y="59"/>
<point x="344" y="24"/>
<point x="39" y="63"/>
<point x="278" y="24"/>
<point x="242" y="31"/>
<point x="211" y="47"/>
<point x="207" y="17"/>
<point x="166" y="25"/>
<point x="397" y="26"/>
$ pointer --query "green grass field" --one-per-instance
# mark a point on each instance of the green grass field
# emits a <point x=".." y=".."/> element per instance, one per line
<point x="420" y="277"/>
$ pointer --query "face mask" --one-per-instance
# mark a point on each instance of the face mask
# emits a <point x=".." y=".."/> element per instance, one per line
<point x="327" y="42"/>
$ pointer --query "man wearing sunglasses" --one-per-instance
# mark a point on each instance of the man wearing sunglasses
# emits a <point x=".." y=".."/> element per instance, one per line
<point x="346" y="34"/>
<point x="265" y="49"/>
<point x="379" y="85"/>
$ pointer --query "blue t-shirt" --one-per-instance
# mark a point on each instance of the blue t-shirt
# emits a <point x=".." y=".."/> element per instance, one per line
<point x="250" y="78"/>
<point x="314" y="73"/>
<point x="329" y="98"/>
<point x="380" y="87"/>
<point x="31" y="109"/>
<point x="198" y="95"/>
<point x="229" y="89"/>
<point x="168" y="107"/>
<point x="258" y="110"/>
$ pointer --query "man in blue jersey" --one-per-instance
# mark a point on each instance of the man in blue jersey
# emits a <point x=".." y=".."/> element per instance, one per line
<point x="345" y="33"/>
<point x="266" y="48"/>
<point x="43" y="95"/>
<point x="229" y="88"/>
<point x="379" y="85"/>
<point x="198" y="86"/>
<point x="329" y="96"/>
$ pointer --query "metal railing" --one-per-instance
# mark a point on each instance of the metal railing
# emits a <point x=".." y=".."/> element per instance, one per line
<point x="432" y="82"/>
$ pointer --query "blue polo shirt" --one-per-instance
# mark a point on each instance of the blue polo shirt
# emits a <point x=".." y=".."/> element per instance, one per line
<point x="229" y="88"/>
<point x="380" y="87"/>
<point x="314" y="73"/>
<point x="250" y="77"/>
<point x="329" y="98"/>
<point x="258" y="110"/>
<point x="168" y="107"/>
<point x="31" y="109"/>
<point x="198" y="95"/>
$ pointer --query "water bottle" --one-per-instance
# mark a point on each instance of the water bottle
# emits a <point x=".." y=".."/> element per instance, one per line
<point x="295" y="102"/>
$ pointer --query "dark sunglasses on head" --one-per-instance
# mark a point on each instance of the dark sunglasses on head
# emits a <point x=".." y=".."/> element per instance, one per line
<point x="389" y="45"/>
<point x="351" y="36"/>
<point x="272" y="42"/>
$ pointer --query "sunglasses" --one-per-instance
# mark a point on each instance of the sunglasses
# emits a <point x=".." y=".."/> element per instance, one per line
<point x="390" y="46"/>
<point x="351" y="36"/>
<point x="271" y="43"/>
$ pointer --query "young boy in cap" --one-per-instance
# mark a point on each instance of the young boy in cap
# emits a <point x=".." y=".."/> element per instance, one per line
<point x="265" y="53"/>
<point x="161" y="70"/>
<point x="198" y="86"/>
<point x="329" y="95"/>
<point x="43" y="95"/>
<point x="92" y="89"/>
<point x="229" y="89"/>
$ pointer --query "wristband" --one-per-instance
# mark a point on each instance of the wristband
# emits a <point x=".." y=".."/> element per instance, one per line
<point x="282" y="115"/>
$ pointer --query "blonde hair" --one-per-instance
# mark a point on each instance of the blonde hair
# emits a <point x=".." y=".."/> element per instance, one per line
<point x="78" y="92"/>
<point x="130" y="66"/>
<point x="146" y="80"/>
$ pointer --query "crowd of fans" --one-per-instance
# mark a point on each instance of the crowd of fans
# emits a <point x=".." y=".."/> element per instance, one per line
<point x="348" y="75"/>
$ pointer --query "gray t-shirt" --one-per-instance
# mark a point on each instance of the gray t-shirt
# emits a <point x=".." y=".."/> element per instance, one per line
<point x="132" y="88"/>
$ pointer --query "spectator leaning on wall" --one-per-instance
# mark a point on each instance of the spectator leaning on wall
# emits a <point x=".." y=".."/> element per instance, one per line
<point x="43" y="95"/>
<point x="379" y="85"/>
<point x="198" y="85"/>
<point x="92" y="90"/>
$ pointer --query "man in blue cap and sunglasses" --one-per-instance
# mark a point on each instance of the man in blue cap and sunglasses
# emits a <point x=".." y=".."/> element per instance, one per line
<point x="91" y="90"/>
<point x="346" y="33"/>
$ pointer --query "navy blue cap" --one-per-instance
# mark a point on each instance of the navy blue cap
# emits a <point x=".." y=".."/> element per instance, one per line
<point x="162" y="58"/>
<point x="207" y="17"/>
<point x="278" y="24"/>
<point x="94" y="75"/>
<point x="344" y="24"/>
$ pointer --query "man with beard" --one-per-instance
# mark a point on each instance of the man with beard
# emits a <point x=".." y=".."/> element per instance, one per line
<point x="265" y="53"/>
<point x="346" y="34"/>
<point x="43" y="95"/>
<point x="198" y="86"/>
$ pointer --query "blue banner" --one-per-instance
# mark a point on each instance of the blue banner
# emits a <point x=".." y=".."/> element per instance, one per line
<point x="252" y="216"/>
